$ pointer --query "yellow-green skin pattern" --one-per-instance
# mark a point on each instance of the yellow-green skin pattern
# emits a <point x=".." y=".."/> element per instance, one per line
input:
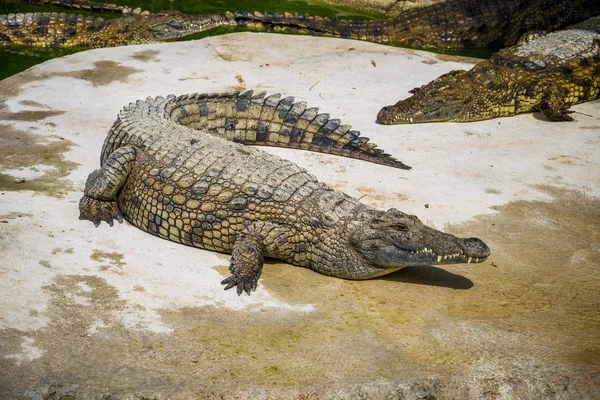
<point x="451" y="24"/>
<point x="172" y="168"/>
<point x="79" y="31"/>
<point x="548" y="74"/>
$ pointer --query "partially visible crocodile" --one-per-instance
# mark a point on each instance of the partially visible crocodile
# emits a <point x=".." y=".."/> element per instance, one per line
<point x="172" y="168"/>
<point x="90" y="6"/>
<point x="548" y="74"/>
<point x="80" y="31"/>
<point x="451" y="24"/>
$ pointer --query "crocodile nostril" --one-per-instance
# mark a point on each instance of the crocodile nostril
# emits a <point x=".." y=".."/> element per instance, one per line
<point x="475" y="248"/>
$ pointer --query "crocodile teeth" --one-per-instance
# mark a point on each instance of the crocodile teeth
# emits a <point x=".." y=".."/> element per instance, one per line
<point x="469" y="260"/>
<point x="439" y="258"/>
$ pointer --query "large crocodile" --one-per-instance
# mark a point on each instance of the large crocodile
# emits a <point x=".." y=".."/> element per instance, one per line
<point x="72" y="30"/>
<point x="549" y="73"/>
<point x="451" y="24"/>
<point x="172" y="167"/>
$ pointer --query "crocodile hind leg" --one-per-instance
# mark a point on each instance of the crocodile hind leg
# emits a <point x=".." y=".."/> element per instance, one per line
<point x="99" y="199"/>
<point x="249" y="250"/>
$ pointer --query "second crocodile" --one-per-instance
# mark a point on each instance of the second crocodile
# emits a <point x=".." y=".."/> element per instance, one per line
<point x="452" y="24"/>
<point x="85" y="32"/>
<point x="548" y="74"/>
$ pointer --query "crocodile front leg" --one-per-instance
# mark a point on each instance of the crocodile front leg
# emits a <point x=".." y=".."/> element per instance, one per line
<point x="247" y="256"/>
<point x="98" y="202"/>
<point x="554" y="106"/>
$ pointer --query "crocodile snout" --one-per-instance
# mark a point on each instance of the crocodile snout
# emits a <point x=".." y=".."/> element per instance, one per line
<point x="475" y="248"/>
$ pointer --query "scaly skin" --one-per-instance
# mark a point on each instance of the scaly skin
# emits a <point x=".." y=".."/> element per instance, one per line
<point x="548" y="74"/>
<point x="172" y="168"/>
<point x="86" y="32"/>
<point x="452" y="24"/>
<point x="90" y="5"/>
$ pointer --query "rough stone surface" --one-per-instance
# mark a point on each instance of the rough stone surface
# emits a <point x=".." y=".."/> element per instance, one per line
<point x="117" y="313"/>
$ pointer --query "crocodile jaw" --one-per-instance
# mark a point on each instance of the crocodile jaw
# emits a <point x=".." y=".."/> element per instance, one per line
<point x="413" y="111"/>
<point x="389" y="255"/>
<point x="390" y="240"/>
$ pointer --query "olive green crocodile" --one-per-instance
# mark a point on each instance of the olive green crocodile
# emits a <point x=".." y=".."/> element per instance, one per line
<point x="451" y="24"/>
<point x="172" y="167"/>
<point x="90" y="6"/>
<point x="446" y="25"/>
<point x="549" y="73"/>
<point x="86" y="32"/>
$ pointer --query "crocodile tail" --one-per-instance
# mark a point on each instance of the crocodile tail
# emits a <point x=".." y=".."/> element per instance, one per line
<point x="374" y="31"/>
<point x="273" y="121"/>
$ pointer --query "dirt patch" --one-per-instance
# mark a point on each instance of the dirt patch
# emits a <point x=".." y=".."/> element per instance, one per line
<point x="111" y="261"/>
<point x="28" y="115"/>
<point x="146" y="55"/>
<point x="492" y="191"/>
<point x="104" y="73"/>
<point x="233" y="52"/>
<point x="543" y="281"/>
<point x="43" y="156"/>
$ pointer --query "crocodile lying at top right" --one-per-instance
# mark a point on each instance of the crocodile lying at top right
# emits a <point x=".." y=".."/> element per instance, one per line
<point x="546" y="73"/>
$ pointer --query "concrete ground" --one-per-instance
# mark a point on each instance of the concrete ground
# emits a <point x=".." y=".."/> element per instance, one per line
<point x="115" y="313"/>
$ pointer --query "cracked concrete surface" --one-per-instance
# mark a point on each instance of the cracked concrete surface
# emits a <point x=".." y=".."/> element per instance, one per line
<point x="116" y="313"/>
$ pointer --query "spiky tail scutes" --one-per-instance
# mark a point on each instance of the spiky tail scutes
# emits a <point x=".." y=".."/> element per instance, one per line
<point x="273" y="121"/>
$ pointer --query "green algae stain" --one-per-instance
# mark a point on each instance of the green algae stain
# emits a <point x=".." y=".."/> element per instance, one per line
<point x="541" y="280"/>
<point x="43" y="156"/>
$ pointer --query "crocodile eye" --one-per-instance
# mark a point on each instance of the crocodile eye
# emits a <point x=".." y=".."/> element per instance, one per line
<point x="398" y="227"/>
<point x="387" y="225"/>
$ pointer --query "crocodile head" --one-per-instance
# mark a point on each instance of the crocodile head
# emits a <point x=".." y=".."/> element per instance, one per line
<point x="386" y="241"/>
<point x="450" y="97"/>
<point x="172" y="25"/>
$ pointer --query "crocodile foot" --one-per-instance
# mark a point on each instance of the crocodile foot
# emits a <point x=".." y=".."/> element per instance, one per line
<point x="243" y="283"/>
<point x="99" y="210"/>
<point x="246" y="264"/>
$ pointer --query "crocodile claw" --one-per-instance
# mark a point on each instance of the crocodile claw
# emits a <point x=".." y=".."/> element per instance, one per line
<point x="243" y="284"/>
<point x="98" y="210"/>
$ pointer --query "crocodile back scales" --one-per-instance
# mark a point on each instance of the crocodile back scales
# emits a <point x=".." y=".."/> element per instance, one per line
<point x="199" y="189"/>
